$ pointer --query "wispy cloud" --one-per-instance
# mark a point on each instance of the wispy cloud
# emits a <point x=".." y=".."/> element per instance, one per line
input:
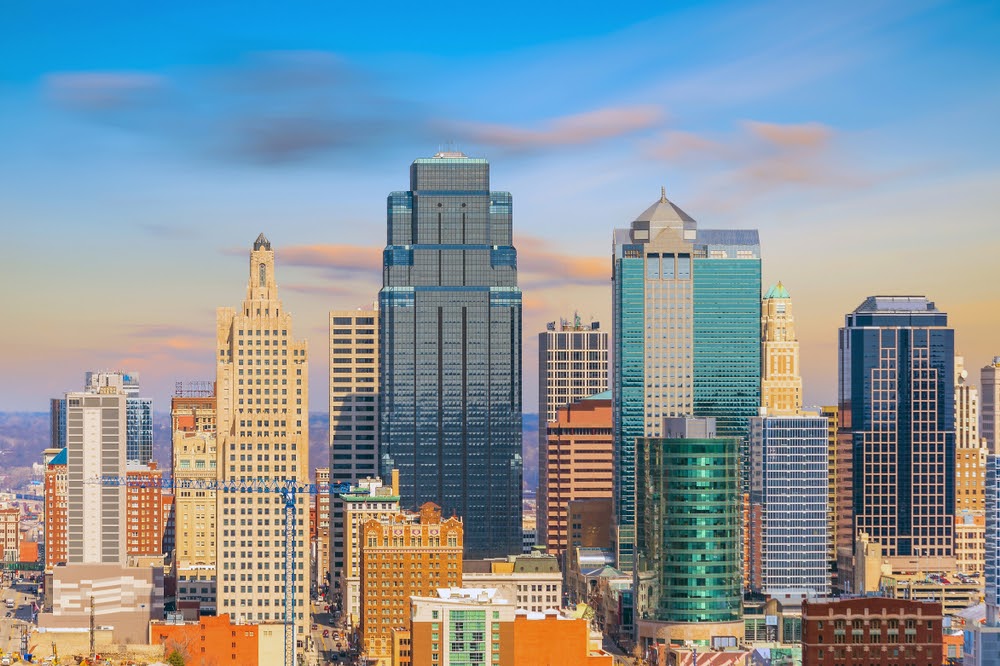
<point x="571" y="130"/>
<point x="540" y="266"/>
<point x="103" y="91"/>
<point x="350" y="258"/>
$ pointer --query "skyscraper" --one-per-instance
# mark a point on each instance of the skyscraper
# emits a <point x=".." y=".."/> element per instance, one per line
<point x="450" y="351"/>
<point x="262" y="393"/>
<point x="992" y="569"/>
<point x="780" y="383"/>
<point x="897" y="407"/>
<point x="572" y="365"/>
<point x="970" y="455"/>
<point x="138" y="412"/>
<point x="685" y="337"/>
<point x="989" y="384"/>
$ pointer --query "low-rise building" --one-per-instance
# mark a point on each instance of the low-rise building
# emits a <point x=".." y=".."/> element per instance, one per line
<point x="10" y="533"/>
<point x="219" y="641"/>
<point x="554" y="637"/>
<point x="532" y="581"/>
<point x="464" y="626"/>
<point x="871" y="631"/>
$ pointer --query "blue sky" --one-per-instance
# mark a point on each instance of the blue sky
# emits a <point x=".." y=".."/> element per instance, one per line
<point x="146" y="145"/>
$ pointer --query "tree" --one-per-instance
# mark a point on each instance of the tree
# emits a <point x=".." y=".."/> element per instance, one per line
<point x="176" y="659"/>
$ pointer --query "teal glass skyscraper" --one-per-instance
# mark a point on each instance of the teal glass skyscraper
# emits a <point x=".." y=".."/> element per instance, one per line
<point x="450" y="351"/>
<point x="685" y="337"/>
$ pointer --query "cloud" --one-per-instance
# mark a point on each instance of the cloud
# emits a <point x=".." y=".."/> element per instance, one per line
<point x="103" y="91"/>
<point x="539" y="266"/>
<point x="336" y="257"/>
<point x="573" y="130"/>
<point x="166" y="331"/>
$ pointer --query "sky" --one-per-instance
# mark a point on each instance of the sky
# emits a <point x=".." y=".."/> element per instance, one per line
<point x="145" y="145"/>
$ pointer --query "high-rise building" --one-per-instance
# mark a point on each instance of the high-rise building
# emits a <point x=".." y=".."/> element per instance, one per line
<point x="194" y="458"/>
<point x="574" y="463"/>
<point x="780" y="381"/>
<point x="450" y="350"/>
<point x="572" y="364"/>
<point x="991" y="571"/>
<point x="353" y="416"/>
<point x="788" y="504"/>
<point x="262" y="384"/>
<point x="56" y="511"/>
<point x="95" y="448"/>
<point x="144" y="502"/>
<point x="685" y="337"/>
<point x="138" y="412"/>
<point x="320" y="546"/>
<point x="10" y="533"/>
<point x="686" y="507"/>
<point x="970" y="454"/>
<point x="989" y="383"/>
<point x="423" y="552"/>
<point x="57" y="423"/>
<point x="369" y="500"/>
<point x="897" y="407"/>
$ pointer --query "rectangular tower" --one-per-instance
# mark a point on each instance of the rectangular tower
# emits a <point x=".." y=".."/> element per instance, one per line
<point x="970" y="454"/>
<point x="897" y="406"/>
<point x="262" y="384"/>
<point x="572" y="365"/>
<point x="989" y="382"/>
<point x="450" y="350"/>
<point x="95" y="448"/>
<point x="138" y="412"/>
<point x="685" y="337"/>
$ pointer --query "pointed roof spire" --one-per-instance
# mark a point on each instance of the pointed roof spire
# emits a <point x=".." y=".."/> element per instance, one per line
<point x="261" y="243"/>
<point x="777" y="291"/>
<point x="663" y="194"/>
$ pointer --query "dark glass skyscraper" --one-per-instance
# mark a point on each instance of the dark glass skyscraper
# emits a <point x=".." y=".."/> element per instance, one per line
<point x="897" y="367"/>
<point x="450" y="350"/>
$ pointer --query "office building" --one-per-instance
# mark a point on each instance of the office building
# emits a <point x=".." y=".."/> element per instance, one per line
<point x="589" y="523"/>
<point x="57" y="423"/>
<point x="463" y="626"/>
<point x="56" y="511"/>
<point x="95" y="449"/>
<point x="897" y="406"/>
<point x="685" y="337"/>
<point x="574" y="463"/>
<point x="144" y="504"/>
<point x="10" y="533"/>
<point x="989" y="384"/>
<point x="572" y="365"/>
<point x="970" y="454"/>
<point x="788" y="505"/>
<point x="450" y="350"/>
<point x="369" y="500"/>
<point x="970" y="540"/>
<point x="320" y="537"/>
<point x="531" y="581"/>
<point x="353" y="415"/>
<point x="194" y="457"/>
<point x="687" y="506"/>
<point x="138" y="412"/>
<point x="833" y="475"/>
<point x="262" y="393"/>
<point x="991" y="571"/>
<point x="781" y="382"/>
<point x="872" y="631"/>
<point x="424" y="553"/>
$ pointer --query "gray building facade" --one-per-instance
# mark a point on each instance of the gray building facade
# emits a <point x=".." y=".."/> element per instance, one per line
<point x="450" y="351"/>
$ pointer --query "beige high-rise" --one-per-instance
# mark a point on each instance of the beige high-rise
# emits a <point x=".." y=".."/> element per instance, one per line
<point x="262" y="382"/>
<point x="780" y="381"/>
<point x="970" y="456"/>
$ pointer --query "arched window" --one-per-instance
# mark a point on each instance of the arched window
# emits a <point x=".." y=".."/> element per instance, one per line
<point x="262" y="275"/>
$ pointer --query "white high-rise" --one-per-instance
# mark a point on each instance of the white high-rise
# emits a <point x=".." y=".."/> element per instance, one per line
<point x="262" y="391"/>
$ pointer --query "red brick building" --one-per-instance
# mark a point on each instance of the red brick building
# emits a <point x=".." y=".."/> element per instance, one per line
<point x="144" y="510"/>
<point x="55" y="510"/>
<point x="871" y="631"/>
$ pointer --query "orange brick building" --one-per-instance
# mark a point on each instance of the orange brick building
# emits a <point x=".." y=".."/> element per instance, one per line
<point x="551" y="638"/>
<point x="144" y="510"/>
<point x="211" y="640"/>
<point x="872" y="631"/>
<point x="574" y="463"/>
<point x="404" y="556"/>
<point x="55" y="510"/>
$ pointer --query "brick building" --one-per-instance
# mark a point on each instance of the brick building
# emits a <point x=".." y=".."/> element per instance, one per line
<point x="55" y="509"/>
<point x="407" y="555"/>
<point x="871" y="631"/>
<point x="144" y="510"/>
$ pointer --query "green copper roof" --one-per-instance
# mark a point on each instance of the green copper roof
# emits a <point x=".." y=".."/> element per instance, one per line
<point x="777" y="291"/>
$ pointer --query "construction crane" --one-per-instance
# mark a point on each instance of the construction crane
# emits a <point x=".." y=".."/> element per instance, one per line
<point x="288" y="490"/>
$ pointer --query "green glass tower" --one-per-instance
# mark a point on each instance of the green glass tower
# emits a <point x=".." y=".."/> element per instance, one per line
<point x="685" y="338"/>
<point x="688" y="525"/>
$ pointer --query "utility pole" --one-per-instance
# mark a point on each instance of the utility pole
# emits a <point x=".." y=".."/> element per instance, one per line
<point x="93" y="652"/>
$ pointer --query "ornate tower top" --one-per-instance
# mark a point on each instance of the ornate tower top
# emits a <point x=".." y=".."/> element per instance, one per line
<point x="262" y="243"/>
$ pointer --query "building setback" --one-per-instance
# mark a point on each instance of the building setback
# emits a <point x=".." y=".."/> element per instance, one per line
<point x="450" y="350"/>
<point x="897" y="408"/>
<point x="262" y="384"/>
<point x="685" y="337"/>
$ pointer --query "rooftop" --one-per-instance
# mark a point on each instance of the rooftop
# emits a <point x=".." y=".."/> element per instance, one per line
<point x="664" y="211"/>
<point x="777" y="291"/>
<point x="262" y="243"/>
<point x="896" y="304"/>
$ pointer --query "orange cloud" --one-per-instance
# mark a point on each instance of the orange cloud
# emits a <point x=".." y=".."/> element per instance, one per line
<point x="807" y="135"/>
<point x="337" y="257"/>
<point x="573" y="130"/>
<point x="535" y="260"/>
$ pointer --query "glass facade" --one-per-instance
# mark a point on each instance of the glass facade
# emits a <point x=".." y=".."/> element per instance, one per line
<point x="685" y="338"/>
<point x="897" y="406"/>
<point x="139" y="430"/>
<point x="450" y="351"/>
<point x="788" y="504"/>
<point x="992" y="570"/>
<point x="688" y="526"/>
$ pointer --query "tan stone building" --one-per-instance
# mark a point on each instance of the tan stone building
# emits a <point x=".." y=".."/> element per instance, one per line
<point x="781" y="382"/>
<point x="10" y="535"/>
<point x="970" y="542"/>
<point x="533" y="582"/>
<point x="407" y="555"/>
<point x="575" y="462"/>
<point x="320" y="546"/>
<point x="970" y="451"/>
<point x="369" y="500"/>
<point x="195" y="467"/>
<point x="262" y="391"/>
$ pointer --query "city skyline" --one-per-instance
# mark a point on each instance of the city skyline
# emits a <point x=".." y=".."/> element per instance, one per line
<point x="140" y="148"/>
